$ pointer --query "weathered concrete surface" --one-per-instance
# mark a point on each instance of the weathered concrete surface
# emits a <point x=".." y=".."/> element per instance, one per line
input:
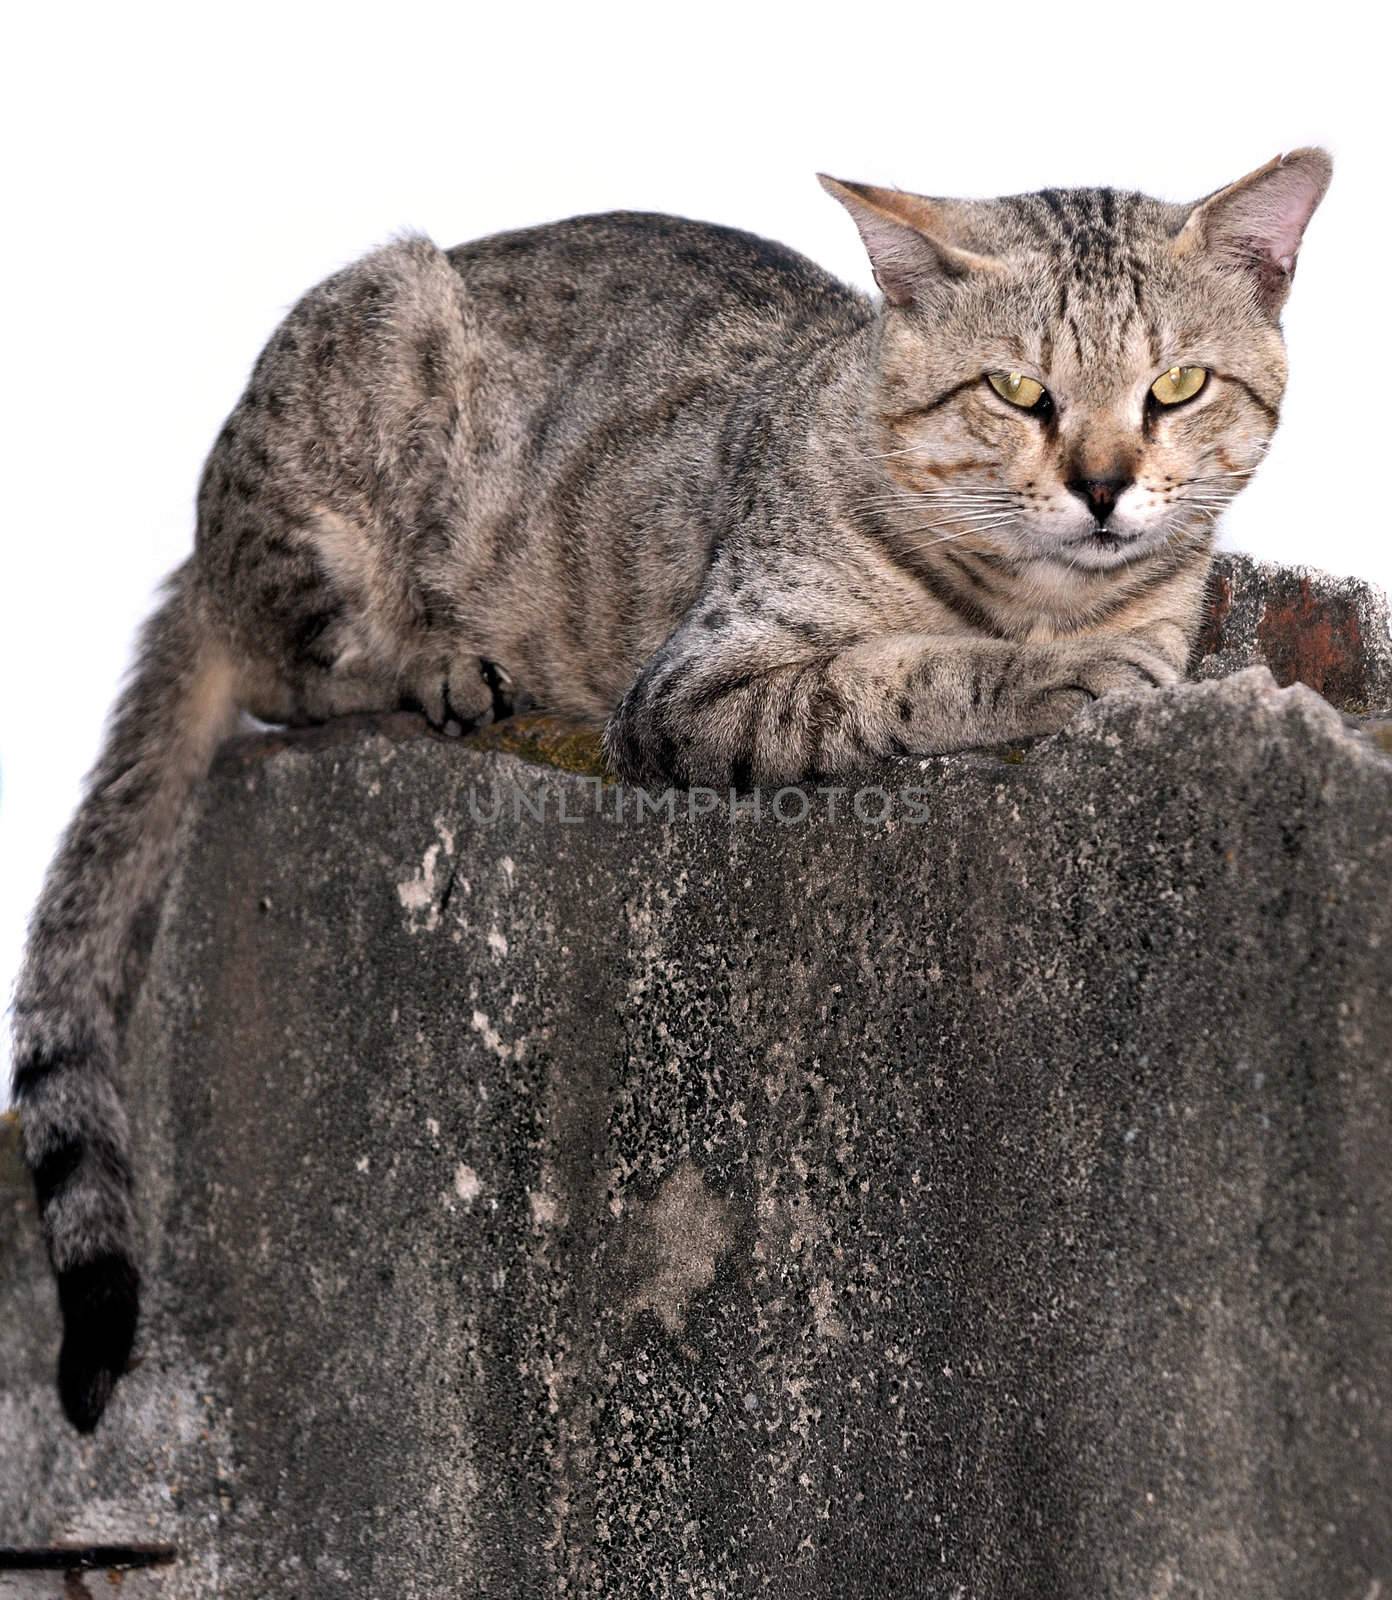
<point x="995" y="1206"/>
<point x="1306" y="626"/>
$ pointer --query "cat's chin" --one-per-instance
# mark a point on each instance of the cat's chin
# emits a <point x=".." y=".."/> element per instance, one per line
<point x="1103" y="549"/>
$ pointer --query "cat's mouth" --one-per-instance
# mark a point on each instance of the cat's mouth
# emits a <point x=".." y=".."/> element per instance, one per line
<point x="1104" y="547"/>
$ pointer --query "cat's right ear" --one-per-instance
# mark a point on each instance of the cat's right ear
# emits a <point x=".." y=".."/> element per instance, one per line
<point x="907" y="238"/>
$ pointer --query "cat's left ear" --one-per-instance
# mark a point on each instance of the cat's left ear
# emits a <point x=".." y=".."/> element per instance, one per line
<point x="1256" y="224"/>
<point x="909" y="240"/>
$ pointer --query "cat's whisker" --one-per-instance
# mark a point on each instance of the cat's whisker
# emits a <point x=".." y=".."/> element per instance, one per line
<point x="957" y="532"/>
<point x="948" y="538"/>
<point x="947" y="507"/>
<point x="912" y="450"/>
<point x="953" y="492"/>
<point x="936" y="500"/>
<point x="959" y="504"/>
<point x="971" y="519"/>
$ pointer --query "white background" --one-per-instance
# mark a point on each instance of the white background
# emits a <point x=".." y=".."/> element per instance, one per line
<point x="178" y="176"/>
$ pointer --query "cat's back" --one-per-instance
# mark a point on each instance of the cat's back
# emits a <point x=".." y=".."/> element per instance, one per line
<point x="625" y="274"/>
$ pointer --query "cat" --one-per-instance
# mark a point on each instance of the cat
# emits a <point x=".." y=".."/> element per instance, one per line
<point x="676" y="480"/>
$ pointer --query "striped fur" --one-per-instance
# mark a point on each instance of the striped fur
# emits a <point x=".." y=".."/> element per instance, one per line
<point x="676" y="480"/>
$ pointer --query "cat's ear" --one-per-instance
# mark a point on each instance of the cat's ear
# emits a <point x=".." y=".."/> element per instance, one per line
<point x="1256" y="224"/>
<point x="908" y="239"/>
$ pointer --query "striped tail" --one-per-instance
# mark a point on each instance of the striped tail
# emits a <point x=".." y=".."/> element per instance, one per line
<point x="74" y="990"/>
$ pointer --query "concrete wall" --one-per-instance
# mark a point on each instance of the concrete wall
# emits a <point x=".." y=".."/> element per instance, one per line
<point x="988" y="1202"/>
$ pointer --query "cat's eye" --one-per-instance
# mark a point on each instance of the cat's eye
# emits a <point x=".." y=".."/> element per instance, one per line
<point x="1179" y="384"/>
<point x="1019" y="390"/>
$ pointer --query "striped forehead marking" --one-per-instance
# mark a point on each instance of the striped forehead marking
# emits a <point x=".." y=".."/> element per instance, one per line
<point x="1094" y="236"/>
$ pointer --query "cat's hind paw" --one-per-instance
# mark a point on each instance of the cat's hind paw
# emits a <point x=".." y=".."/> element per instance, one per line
<point x="460" y="694"/>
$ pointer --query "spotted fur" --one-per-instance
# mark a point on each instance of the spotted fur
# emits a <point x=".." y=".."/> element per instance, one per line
<point x="676" y="480"/>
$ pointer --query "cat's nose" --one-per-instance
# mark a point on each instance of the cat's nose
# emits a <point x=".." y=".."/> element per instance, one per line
<point x="1100" y="495"/>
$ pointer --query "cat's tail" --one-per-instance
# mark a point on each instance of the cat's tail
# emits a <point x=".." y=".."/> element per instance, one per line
<point x="79" y="971"/>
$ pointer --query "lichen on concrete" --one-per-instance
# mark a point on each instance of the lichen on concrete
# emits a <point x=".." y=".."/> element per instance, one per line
<point x="1329" y="633"/>
<point x="550" y="741"/>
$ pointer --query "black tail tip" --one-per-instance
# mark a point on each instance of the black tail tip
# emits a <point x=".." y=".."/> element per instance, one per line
<point x="101" y="1305"/>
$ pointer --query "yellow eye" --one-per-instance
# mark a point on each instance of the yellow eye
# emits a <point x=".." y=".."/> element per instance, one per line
<point x="1179" y="383"/>
<point x="1017" y="389"/>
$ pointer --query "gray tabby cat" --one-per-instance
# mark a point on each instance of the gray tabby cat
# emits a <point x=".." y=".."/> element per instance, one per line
<point x="674" y="479"/>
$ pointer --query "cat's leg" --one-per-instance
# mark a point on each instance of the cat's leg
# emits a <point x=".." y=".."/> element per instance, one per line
<point x="333" y="517"/>
<point x="761" y="711"/>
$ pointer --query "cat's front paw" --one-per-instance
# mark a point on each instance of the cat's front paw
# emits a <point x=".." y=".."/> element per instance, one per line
<point x="1077" y="674"/>
<point x="1105" y="666"/>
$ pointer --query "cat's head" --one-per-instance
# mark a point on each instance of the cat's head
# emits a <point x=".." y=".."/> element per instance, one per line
<point x="1079" y="375"/>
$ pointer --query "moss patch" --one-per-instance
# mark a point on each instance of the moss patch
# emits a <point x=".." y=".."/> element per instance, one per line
<point x="548" y="741"/>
